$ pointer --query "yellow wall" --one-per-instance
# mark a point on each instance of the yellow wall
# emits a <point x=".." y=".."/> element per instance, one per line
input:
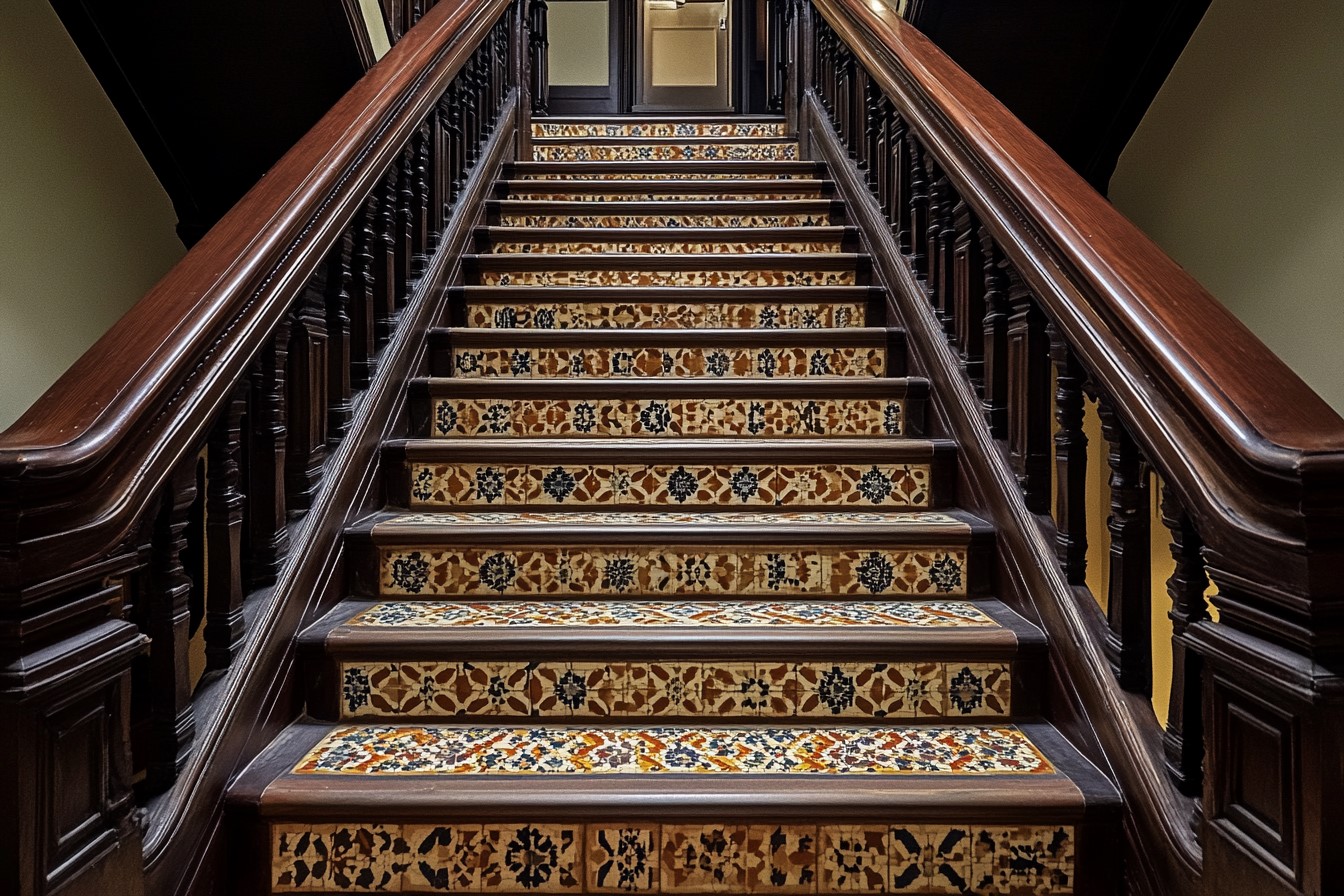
<point x="85" y="227"/>
<point x="1237" y="171"/>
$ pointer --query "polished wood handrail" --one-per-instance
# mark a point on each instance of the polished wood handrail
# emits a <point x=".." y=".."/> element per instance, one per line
<point x="88" y="454"/>
<point x="1183" y="366"/>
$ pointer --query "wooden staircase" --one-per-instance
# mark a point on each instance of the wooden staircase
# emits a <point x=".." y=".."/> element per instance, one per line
<point x="672" y="595"/>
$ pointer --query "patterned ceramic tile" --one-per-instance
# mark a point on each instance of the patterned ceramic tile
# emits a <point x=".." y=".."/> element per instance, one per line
<point x="628" y="173"/>
<point x="769" y="363"/>
<point x="679" y="216"/>
<point x="670" y="417"/>
<point x="716" y="275"/>
<point x="545" y="129"/>
<point x="690" y="315"/>
<point x="662" y="152"/>
<point x="616" y="193"/>
<point x="403" y="750"/>
<point x="978" y="689"/>
<point x="859" y="519"/>
<point x="647" y="857"/>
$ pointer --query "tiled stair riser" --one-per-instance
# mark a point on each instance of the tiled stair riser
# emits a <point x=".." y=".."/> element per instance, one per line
<point x="619" y="172"/>
<point x="512" y="247"/>
<point x="673" y="417"/>
<point x="769" y="363"/>
<point x="904" y="486"/>
<point x="778" y="689"/>
<point x="715" y="275"/>
<point x="647" y="857"/>
<point x="659" y="570"/>
<point x="667" y="315"/>
<point x="663" y="152"/>
<point x="616" y="193"/>
<point x="667" y="219"/>
<point x="738" y="129"/>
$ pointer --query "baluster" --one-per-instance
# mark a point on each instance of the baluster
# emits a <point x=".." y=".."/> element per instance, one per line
<point x="898" y="183"/>
<point x="224" y="504"/>
<point x="268" y="535"/>
<point x="538" y="57"/>
<point x="968" y="294"/>
<point x="417" y="11"/>
<point x="456" y="139"/>
<point x="775" y="65"/>
<point x="404" y="231"/>
<point x="1028" y="394"/>
<point x="340" y="409"/>
<point x="1070" y="461"/>
<point x="420" y="199"/>
<point x="995" y="336"/>
<point x="941" y="238"/>
<point x="441" y="176"/>
<point x="918" y="209"/>
<point x="307" y="405"/>
<point x="872" y="129"/>
<point x="385" y="258"/>
<point x="167" y="621"/>
<point x="363" y="335"/>
<point x="1128" y="608"/>
<point x="467" y="96"/>
<point x="882" y="154"/>
<point x="1183" y="740"/>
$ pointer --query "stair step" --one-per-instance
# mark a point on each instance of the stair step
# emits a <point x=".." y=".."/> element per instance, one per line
<point x="866" y="659"/>
<point x="611" y="189"/>
<point x="838" y="407"/>
<point x="678" y="171"/>
<point x="624" y="307"/>
<point x="654" y="149"/>
<point x="787" y="270"/>
<point x="631" y="473"/>
<point x="722" y="353"/>
<point x="626" y="553"/>
<point x="700" y="213"/>
<point x="678" y="128"/>
<point x="665" y="240"/>
<point x="673" y="809"/>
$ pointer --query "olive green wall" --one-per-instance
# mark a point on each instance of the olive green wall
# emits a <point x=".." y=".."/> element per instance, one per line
<point x="85" y="228"/>
<point x="1238" y="172"/>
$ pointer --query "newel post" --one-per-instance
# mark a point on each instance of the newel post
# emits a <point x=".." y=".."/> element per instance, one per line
<point x="538" y="48"/>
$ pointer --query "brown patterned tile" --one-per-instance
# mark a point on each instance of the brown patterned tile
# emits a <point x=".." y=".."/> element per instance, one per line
<point x="578" y="689"/>
<point x="788" y="572"/>
<point x="491" y="688"/>
<point x="544" y="858"/>
<point x="853" y="859"/>
<point x="781" y="859"/>
<point x="703" y="858"/>
<point x="623" y="859"/>
<point x="978" y="689"/>
<point x="664" y="688"/>
<point x="1022" y="860"/>
<point x="444" y="858"/>
<point x="430" y="688"/>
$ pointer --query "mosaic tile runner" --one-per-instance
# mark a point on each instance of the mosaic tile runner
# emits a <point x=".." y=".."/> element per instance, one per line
<point x="545" y="129"/>
<point x="582" y="361"/>
<point x="647" y="857"/>
<point x="859" y="518"/>
<point x="480" y="750"/>
<point x="616" y="193"/>
<point x="717" y="275"/>
<point x="658" y="570"/>
<point x="665" y="315"/>
<point x="765" y="689"/>
<point x="628" y="173"/>
<point x="924" y="614"/>
<point x="727" y="485"/>
<point x="683" y="218"/>
<point x="671" y="152"/>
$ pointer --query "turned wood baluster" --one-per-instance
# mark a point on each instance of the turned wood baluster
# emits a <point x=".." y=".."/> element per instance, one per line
<point x="897" y="182"/>
<point x="386" y="287"/>
<point x="420" y="241"/>
<point x="224" y="503"/>
<point x="441" y="182"/>
<point x="968" y="294"/>
<point x="882" y="154"/>
<point x="1028" y="394"/>
<point x="267" y="521"/>
<point x="1070" y="461"/>
<point x="306" y="403"/>
<point x="941" y="239"/>
<point x="363" y="308"/>
<point x="466" y="79"/>
<point x="1129" y="641"/>
<point x="538" y="57"/>
<point x="775" y="59"/>
<point x="1183" y="740"/>
<point x="404" y="231"/>
<point x="340" y="408"/>
<point x="872" y="127"/>
<point x="995" y="397"/>
<point x="167" y="621"/>
<point x="917" y="209"/>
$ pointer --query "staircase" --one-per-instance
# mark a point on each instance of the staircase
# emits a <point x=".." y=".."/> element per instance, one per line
<point x="672" y="595"/>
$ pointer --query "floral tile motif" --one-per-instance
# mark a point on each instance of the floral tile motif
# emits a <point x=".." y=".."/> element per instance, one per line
<point x="688" y="315"/>
<point x="653" y="571"/>
<point x="663" y="152"/>
<point x="545" y="129"/>
<point x="674" y="217"/>
<point x="647" y="857"/>
<point x="715" y="275"/>
<point x="669" y="418"/>
<point x="719" y="363"/>
<point x="978" y="689"/>
<point x="677" y="688"/>
<point x="904" y="613"/>
<point x="923" y="520"/>
<point x="625" y="173"/>
<point x="403" y="750"/>
<point x="615" y="193"/>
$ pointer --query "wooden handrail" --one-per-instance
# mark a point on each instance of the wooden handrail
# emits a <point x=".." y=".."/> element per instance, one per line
<point x="87" y="455"/>
<point x="1258" y="449"/>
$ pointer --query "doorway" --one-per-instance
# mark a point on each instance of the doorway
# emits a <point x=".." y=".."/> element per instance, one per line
<point x="684" y="58"/>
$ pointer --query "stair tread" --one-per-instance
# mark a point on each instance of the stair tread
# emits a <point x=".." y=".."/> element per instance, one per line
<point x="856" y="450"/>
<point x="654" y="337"/>
<point x="941" y="524"/>
<point x="737" y="387"/>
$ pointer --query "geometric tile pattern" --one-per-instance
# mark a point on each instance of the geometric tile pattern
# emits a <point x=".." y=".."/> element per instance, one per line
<point x="647" y="361"/>
<point x="970" y="751"/>
<point x="716" y="275"/>
<point x="615" y="193"/>
<point x="666" y="315"/>
<point x="583" y="129"/>
<point x="862" y="519"/>
<point x="663" y="152"/>
<point x="849" y="613"/>
<point x="660" y="570"/>
<point x="682" y="688"/>
<point x="654" y="858"/>
<point x="620" y="174"/>
<point x="681" y="217"/>
<point x="712" y="484"/>
<point x="669" y="417"/>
